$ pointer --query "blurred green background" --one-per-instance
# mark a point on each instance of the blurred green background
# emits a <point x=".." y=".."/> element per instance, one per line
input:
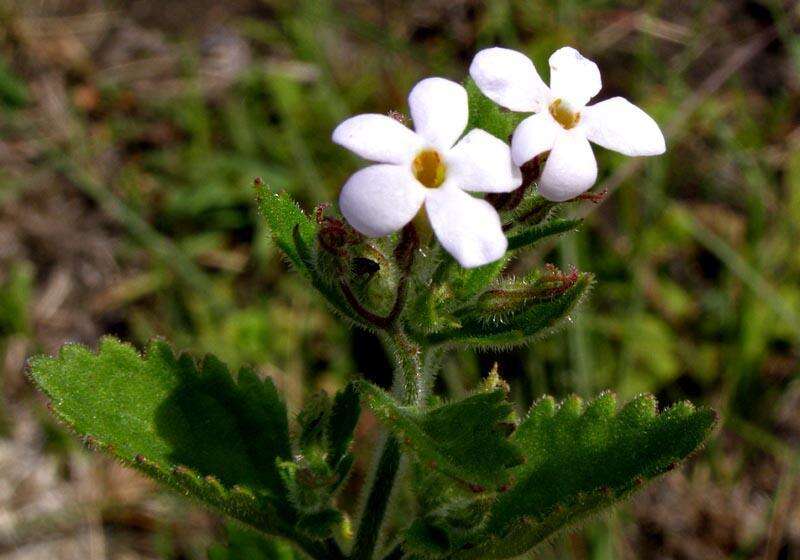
<point x="130" y="133"/>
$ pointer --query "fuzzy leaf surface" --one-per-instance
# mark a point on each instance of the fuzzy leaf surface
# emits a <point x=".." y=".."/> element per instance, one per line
<point x="487" y="115"/>
<point x="295" y="234"/>
<point x="469" y="282"/>
<point x="536" y="319"/>
<point x="580" y="459"/>
<point x="464" y="440"/>
<point x="283" y="216"/>
<point x="341" y="423"/>
<point x="533" y="234"/>
<point x="193" y="427"/>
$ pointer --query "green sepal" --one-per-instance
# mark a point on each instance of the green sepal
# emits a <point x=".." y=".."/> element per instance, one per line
<point x="469" y="282"/>
<point x="451" y="515"/>
<point x="533" y="234"/>
<point x="308" y="484"/>
<point x="581" y="459"/>
<point x="535" y="319"/>
<point x="331" y="293"/>
<point x="457" y="523"/>
<point x="195" y="428"/>
<point x="463" y="440"/>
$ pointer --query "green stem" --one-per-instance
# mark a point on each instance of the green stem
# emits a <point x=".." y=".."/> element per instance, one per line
<point x="412" y="367"/>
<point x="410" y="379"/>
<point x="378" y="500"/>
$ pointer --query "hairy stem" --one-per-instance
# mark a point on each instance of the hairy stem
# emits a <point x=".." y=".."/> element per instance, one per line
<point x="377" y="501"/>
<point x="411" y="379"/>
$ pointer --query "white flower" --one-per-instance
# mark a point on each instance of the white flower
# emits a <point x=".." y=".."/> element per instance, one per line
<point x="563" y="123"/>
<point x="424" y="167"/>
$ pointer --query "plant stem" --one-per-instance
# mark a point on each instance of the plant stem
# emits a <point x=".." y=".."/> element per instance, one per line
<point x="410" y="375"/>
<point x="378" y="500"/>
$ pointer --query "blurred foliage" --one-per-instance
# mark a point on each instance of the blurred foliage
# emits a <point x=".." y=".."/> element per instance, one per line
<point x="138" y="129"/>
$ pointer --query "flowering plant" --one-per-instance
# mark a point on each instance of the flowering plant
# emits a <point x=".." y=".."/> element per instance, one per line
<point x="420" y="262"/>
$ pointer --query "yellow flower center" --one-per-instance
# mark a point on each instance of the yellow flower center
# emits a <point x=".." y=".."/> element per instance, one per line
<point x="429" y="168"/>
<point x="563" y="114"/>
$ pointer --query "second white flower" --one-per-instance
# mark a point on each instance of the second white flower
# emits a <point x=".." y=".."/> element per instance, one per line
<point x="563" y="124"/>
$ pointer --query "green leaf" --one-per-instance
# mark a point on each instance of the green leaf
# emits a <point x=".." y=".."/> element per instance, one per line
<point x="284" y="216"/>
<point x="295" y="233"/>
<point x="582" y="459"/>
<point x="464" y="440"/>
<point x="196" y="429"/>
<point x="534" y="234"/>
<point x="487" y="115"/>
<point x="457" y="524"/>
<point x="470" y="282"/>
<point x="534" y="319"/>
<point x="342" y="423"/>
<point x="322" y="465"/>
<point x="313" y="419"/>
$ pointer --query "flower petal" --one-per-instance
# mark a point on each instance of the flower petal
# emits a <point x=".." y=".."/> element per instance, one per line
<point x="573" y="78"/>
<point x="378" y="138"/>
<point x="533" y="136"/>
<point x="619" y="125"/>
<point x="439" y="110"/>
<point x="571" y="168"/>
<point x="467" y="227"/>
<point x="509" y="78"/>
<point x="381" y="199"/>
<point x="482" y="162"/>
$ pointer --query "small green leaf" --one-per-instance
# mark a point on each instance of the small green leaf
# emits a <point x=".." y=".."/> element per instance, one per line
<point x="314" y="475"/>
<point x="582" y="459"/>
<point x="464" y="440"/>
<point x="284" y="216"/>
<point x="342" y="423"/>
<point x="295" y="233"/>
<point x="534" y="319"/>
<point x="487" y="115"/>
<point x="308" y="483"/>
<point x="313" y="419"/>
<point x="197" y="429"/>
<point x="469" y="282"/>
<point x="534" y="234"/>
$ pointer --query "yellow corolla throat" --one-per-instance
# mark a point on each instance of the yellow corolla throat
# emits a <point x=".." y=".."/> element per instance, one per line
<point x="429" y="168"/>
<point x="563" y="115"/>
